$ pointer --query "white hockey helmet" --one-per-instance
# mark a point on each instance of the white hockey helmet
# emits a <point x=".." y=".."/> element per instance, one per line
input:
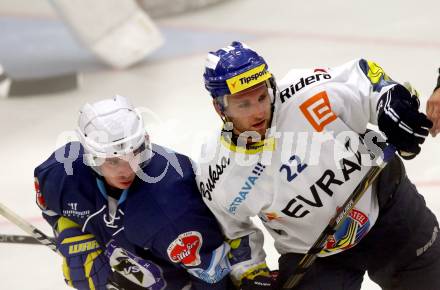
<point x="112" y="128"/>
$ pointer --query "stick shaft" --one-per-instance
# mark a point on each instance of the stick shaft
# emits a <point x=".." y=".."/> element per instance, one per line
<point x="19" y="239"/>
<point x="37" y="235"/>
<point x="27" y="227"/>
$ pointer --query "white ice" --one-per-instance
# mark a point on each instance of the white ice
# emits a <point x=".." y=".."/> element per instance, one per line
<point x="403" y="36"/>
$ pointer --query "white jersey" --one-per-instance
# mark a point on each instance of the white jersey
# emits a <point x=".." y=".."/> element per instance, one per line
<point x="309" y="163"/>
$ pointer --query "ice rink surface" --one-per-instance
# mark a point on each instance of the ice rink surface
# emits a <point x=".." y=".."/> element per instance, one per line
<point x="402" y="36"/>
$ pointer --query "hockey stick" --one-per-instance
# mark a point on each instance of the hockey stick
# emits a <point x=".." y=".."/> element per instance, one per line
<point x="45" y="240"/>
<point x="310" y="257"/>
<point x="44" y="85"/>
<point x="39" y="236"/>
<point x="19" y="239"/>
<point x="10" y="86"/>
<point x="28" y="228"/>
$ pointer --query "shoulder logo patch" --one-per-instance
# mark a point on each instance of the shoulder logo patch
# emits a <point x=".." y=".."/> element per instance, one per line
<point x="41" y="202"/>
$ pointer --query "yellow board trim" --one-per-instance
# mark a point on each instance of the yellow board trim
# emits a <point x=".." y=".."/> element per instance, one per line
<point x="248" y="79"/>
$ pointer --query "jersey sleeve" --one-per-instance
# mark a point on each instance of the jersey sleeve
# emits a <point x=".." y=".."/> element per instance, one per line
<point x="47" y="181"/>
<point x="178" y="227"/>
<point x="220" y="181"/>
<point x="355" y="102"/>
<point x="352" y="90"/>
<point x="247" y="256"/>
<point x="52" y="181"/>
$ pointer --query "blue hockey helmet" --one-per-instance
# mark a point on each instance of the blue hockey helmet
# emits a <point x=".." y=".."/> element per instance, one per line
<point x="233" y="69"/>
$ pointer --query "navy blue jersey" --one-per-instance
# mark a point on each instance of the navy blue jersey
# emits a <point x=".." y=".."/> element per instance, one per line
<point x="164" y="221"/>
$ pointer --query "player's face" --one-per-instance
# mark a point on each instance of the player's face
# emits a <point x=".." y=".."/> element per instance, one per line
<point x="250" y="110"/>
<point x="118" y="172"/>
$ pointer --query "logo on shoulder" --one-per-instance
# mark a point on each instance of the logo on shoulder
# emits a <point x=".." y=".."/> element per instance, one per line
<point x="185" y="249"/>
<point x="376" y="73"/>
<point x="41" y="202"/>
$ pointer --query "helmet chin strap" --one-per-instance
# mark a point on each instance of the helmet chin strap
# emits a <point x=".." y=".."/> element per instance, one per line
<point x="221" y="105"/>
<point x="271" y="84"/>
<point x="225" y="119"/>
<point x="228" y="125"/>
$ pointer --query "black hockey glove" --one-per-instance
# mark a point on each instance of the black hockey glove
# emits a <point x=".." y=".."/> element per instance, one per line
<point x="260" y="282"/>
<point x="399" y="119"/>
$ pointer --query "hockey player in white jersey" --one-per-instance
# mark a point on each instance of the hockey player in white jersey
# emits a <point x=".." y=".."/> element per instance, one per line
<point x="290" y="153"/>
<point x="433" y="108"/>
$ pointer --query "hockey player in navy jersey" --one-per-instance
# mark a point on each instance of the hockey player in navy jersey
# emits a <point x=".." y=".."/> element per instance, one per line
<point x="126" y="213"/>
<point x="290" y="153"/>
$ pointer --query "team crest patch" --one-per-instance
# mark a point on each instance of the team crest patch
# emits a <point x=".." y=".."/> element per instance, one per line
<point x="349" y="233"/>
<point x="185" y="249"/>
<point x="41" y="202"/>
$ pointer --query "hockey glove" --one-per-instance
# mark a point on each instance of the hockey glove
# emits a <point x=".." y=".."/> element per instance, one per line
<point x="142" y="274"/>
<point x="85" y="266"/>
<point x="401" y="122"/>
<point x="260" y="282"/>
